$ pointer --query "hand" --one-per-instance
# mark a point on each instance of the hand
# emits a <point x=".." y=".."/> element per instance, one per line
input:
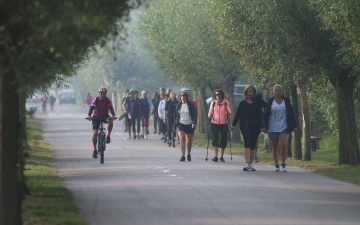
<point x="113" y="117"/>
<point x="89" y="118"/>
<point x="193" y="126"/>
<point x="232" y="128"/>
<point x="129" y="116"/>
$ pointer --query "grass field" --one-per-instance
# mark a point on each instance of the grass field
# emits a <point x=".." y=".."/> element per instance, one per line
<point x="50" y="202"/>
<point x="324" y="160"/>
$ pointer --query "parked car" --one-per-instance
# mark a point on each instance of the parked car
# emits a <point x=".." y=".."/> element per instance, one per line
<point x="30" y="106"/>
<point x="67" y="96"/>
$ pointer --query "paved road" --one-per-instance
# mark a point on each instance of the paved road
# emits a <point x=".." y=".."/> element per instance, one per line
<point x="143" y="182"/>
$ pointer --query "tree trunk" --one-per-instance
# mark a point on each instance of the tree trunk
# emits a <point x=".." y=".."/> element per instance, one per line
<point x="296" y="139"/>
<point x="9" y="125"/>
<point x="267" y="142"/>
<point x="306" y="142"/>
<point x="348" y="140"/>
<point x="203" y="122"/>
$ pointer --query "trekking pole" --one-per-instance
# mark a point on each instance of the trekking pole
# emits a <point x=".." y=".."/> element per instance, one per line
<point x="207" y="149"/>
<point x="230" y="136"/>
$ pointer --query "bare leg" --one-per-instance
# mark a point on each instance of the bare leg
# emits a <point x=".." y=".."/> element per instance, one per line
<point x="275" y="149"/>
<point x="182" y="142"/>
<point x="222" y="151"/>
<point x="189" y="139"/>
<point x="94" y="136"/>
<point x="283" y="140"/>
<point x="247" y="155"/>
<point x="110" y="125"/>
<point x="251" y="156"/>
<point x="216" y="149"/>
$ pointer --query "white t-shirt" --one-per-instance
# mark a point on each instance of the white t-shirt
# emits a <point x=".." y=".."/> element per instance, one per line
<point x="185" y="117"/>
<point x="277" y="120"/>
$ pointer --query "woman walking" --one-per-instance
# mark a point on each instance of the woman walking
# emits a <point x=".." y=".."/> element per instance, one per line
<point x="146" y="110"/>
<point x="135" y="114"/>
<point x="280" y="121"/>
<point x="162" y="117"/>
<point x="219" y="112"/>
<point x="170" y="109"/>
<point x="250" y="114"/>
<point x="185" y="122"/>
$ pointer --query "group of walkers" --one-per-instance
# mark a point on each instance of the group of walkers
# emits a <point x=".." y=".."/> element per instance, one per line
<point x="277" y="120"/>
<point x="45" y="99"/>
<point x="172" y="113"/>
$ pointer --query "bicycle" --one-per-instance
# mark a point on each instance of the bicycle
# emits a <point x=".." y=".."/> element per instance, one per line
<point x="101" y="137"/>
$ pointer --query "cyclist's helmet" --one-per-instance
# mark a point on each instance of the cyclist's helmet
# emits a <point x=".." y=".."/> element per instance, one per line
<point x="102" y="90"/>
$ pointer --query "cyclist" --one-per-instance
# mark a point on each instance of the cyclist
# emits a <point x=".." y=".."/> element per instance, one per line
<point x="101" y="106"/>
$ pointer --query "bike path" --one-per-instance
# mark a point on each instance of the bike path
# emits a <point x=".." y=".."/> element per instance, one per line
<point x="143" y="182"/>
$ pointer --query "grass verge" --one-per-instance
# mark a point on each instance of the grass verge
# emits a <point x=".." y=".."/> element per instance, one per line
<point x="50" y="202"/>
<point x="324" y="160"/>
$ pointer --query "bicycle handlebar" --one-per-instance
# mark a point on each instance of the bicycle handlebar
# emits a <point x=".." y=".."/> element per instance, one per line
<point x="105" y="118"/>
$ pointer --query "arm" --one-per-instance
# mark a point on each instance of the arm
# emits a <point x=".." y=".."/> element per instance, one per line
<point x="211" y="110"/>
<point x="237" y="115"/>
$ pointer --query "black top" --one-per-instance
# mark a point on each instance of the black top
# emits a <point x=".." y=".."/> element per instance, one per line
<point x="170" y="108"/>
<point x="249" y="114"/>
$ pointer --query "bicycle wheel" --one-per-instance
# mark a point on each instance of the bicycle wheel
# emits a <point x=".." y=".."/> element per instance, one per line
<point x="101" y="145"/>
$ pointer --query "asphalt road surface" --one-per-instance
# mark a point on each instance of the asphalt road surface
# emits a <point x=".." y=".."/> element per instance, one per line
<point x="143" y="182"/>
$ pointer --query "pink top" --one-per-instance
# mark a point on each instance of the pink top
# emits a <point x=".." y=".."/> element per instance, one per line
<point x="220" y="111"/>
<point x="102" y="107"/>
<point x="88" y="100"/>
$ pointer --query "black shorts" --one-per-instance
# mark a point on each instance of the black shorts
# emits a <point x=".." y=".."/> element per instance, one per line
<point x="96" y="123"/>
<point x="127" y="121"/>
<point x="186" y="128"/>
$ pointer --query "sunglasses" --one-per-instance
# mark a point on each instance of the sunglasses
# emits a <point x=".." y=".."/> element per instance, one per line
<point x="217" y="94"/>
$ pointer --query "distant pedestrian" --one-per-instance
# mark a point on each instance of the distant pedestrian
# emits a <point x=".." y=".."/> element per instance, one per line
<point x="146" y="111"/>
<point x="122" y="102"/>
<point x="280" y="121"/>
<point x="44" y="100"/>
<point x="185" y="122"/>
<point x="154" y="113"/>
<point x="162" y="118"/>
<point x="219" y="113"/>
<point x="52" y="102"/>
<point x="126" y="110"/>
<point x="170" y="109"/>
<point x="135" y="114"/>
<point x="87" y="101"/>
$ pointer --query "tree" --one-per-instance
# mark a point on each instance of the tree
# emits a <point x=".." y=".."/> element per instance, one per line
<point x="36" y="39"/>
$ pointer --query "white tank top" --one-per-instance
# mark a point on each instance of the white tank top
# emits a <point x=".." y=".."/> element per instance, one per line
<point x="277" y="120"/>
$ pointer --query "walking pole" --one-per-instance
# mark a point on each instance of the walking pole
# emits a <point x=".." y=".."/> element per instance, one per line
<point x="207" y="149"/>
<point x="230" y="136"/>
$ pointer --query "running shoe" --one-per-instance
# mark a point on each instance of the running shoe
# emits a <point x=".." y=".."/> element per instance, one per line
<point x="283" y="166"/>
<point x="108" y="139"/>
<point x="182" y="159"/>
<point x="95" y="154"/>
<point x="276" y="167"/>
<point x="252" y="167"/>
<point x="169" y="144"/>
<point x="154" y="132"/>
<point x="246" y="167"/>
<point x="173" y="144"/>
<point x="134" y="136"/>
<point x="189" y="157"/>
<point x="147" y="132"/>
<point x="215" y="159"/>
<point x="138" y="137"/>
<point x="145" y="136"/>
<point x="256" y="160"/>
<point x="165" y="140"/>
<point x="142" y="136"/>
<point x="222" y="159"/>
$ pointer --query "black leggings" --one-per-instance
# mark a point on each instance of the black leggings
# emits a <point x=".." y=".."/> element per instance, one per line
<point x="223" y="130"/>
<point x="135" y="119"/>
<point x="251" y="136"/>
<point x="162" y="126"/>
<point x="155" y="122"/>
<point x="170" y="129"/>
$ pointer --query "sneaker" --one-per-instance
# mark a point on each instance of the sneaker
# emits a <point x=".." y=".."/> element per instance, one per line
<point x="252" y="167"/>
<point x="108" y="139"/>
<point x="138" y="137"/>
<point x="256" y="160"/>
<point x="154" y="132"/>
<point x="169" y="144"/>
<point x="276" y="167"/>
<point x="215" y="159"/>
<point x="189" y="157"/>
<point x="283" y="166"/>
<point x="125" y="131"/>
<point x="165" y="140"/>
<point x="246" y="167"/>
<point x="222" y="159"/>
<point x="142" y="136"/>
<point x="134" y="136"/>
<point x="173" y="144"/>
<point x="182" y="159"/>
<point x="145" y="136"/>
<point x="95" y="154"/>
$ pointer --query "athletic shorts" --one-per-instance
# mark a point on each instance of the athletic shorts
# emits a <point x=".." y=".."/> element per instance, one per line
<point x="274" y="135"/>
<point x="96" y="123"/>
<point x="186" y="128"/>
